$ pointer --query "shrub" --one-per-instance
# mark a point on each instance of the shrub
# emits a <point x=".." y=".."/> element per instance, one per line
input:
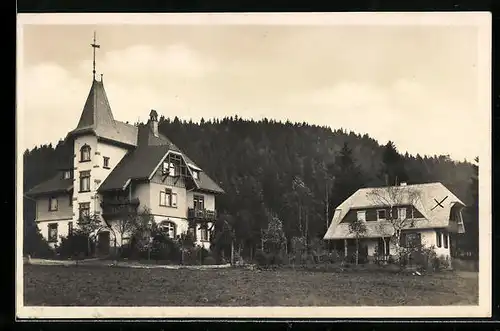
<point x="73" y="246"/>
<point x="34" y="244"/>
<point x="209" y="260"/>
<point x="164" y="248"/>
<point x="262" y="258"/>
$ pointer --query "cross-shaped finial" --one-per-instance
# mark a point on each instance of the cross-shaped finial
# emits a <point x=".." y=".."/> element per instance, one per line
<point x="94" y="46"/>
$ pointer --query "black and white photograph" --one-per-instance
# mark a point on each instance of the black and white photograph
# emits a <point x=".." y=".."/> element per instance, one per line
<point x="333" y="165"/>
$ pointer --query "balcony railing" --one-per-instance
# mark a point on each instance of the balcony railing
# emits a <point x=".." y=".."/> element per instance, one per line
<point x="201" y="214"/>
<point x="112" y="208"/>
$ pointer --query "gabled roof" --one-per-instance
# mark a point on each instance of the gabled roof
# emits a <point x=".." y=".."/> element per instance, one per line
<point x="136" y="164"/>
<point x="141" y="162"/>
<point x="434" y="217"/>
<point x="56" y="184"/>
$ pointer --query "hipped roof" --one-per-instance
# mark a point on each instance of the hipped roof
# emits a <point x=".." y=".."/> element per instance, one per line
<point x="365" y="198"/>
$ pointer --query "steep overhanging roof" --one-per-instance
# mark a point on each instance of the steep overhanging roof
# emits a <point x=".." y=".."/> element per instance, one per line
<point x="435" y="202"/>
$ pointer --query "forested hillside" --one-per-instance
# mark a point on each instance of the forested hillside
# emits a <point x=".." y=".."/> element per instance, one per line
<point x="270" y="167"/>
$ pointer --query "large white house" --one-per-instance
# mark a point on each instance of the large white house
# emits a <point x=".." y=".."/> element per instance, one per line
<point x="112" y="168"/>
<point x="430" y="213"/>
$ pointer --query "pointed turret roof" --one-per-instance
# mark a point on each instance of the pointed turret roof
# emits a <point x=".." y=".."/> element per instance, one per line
<point x="96" y="110"/>
<point x="97" y="118"/>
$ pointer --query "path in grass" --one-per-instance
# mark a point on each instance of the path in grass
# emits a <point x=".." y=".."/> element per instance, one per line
<point x="105" y="286"/>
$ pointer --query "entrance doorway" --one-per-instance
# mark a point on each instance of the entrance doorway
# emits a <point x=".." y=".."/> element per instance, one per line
<point x="103" y="243"/>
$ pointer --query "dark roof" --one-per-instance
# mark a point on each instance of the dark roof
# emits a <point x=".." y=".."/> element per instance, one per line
<point x="206" y="183"/>
<point x="140" y="163"/>
<point x="147" y="138"/>
<point x="53" y="185"/>
<point x="137" y="164"/>
<point x="96" y="110"/>
<point x="97" y="118"/>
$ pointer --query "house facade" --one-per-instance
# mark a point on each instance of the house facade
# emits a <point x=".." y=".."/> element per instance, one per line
<point x="113" y="168"/>
<point x="426" y="214"/>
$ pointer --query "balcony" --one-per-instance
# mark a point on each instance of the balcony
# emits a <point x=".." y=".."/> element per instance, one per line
<point x="115" y="208"/>
<point x="201" y="214"/>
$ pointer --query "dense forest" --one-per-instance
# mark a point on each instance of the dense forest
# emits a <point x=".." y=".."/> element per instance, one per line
<point x="287" y="169"/>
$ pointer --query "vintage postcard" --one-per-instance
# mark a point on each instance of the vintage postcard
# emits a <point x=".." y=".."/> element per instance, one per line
<point x="321" y="165"/>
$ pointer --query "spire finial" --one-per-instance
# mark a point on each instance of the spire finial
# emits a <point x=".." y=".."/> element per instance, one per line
<point x="94" y="46"/>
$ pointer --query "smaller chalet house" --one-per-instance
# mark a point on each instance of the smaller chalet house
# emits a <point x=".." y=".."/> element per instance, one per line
<point x="113" y="168"/>
<point x="436" y="214"/>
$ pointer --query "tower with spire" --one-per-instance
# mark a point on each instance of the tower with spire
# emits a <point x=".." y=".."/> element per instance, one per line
<point x="116" y="168"/>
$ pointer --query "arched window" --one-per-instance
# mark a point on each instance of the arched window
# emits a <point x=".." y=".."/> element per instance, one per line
<point x="85" y="153"/>
<point x="168" y="228"/>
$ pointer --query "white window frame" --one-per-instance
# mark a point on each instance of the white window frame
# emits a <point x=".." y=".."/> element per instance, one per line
<point x="361" y="212"/>
<point x="169" y="227"/>
<point x="385" y="215"/>
<point x="53" y="207"/>
<point x="401" y="213"/>
<point x="204" y="236"/>
<point x="67" y="174"/>
<point x="170" y="198"/>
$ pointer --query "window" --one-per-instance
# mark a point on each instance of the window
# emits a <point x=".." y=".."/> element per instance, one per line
<point x="199" y="202"/>
<point x="84" y="209"/>
<point x="52" y="204"/>
<point x="106" y="162"/>
<point x="439" y="239"/>
<point x="52" y="237"/>
<point x="67" y="174"/>
<point x="192" y="232"/>
<point x="169" y="168"/>
<point x="413" y="240"/>
<point x="70" y="228"/>
<point x="85" y="181"/>
<point x="381" y="214"/>
<point x="361" y="215"/>
<point x="70" y="198"/>
<point x="402" y="213"/>
<point x="168" y="198"/>
<point x="203" y="234"/>
<point x="168" y="228"/>
<point x="195" y="174"/>
<point x="445" y="239"/>
<point x="85" y="153"/>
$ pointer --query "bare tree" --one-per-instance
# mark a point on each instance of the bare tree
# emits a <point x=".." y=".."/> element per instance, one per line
<point x="88" y="226"/>
<point x="358" y="229"/>
<point x="390" y="198"/>
<point x="138" y="222"/>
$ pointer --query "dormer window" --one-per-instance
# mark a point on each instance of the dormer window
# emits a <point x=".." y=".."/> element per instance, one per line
<point x="169" y="168"/>
<point x="85" y="153"/>
<point x="67" y="174"/>
<point x="196" y="174"/>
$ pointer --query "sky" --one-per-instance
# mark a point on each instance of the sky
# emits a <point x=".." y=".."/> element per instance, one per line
<point x="415" y="85"/>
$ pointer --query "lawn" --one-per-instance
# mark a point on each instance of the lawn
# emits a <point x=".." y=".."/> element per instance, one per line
<point x="107" y="286"/>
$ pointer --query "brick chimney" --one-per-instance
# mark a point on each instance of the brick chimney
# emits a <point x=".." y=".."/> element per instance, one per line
<point x="153" y="122"/>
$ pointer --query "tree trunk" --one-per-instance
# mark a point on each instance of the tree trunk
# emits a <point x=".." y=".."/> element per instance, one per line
<point x="232" y="252"/>
<point x="357" y="251"/>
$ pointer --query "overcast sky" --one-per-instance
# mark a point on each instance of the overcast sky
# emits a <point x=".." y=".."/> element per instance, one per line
<point x="414" y="85"/>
